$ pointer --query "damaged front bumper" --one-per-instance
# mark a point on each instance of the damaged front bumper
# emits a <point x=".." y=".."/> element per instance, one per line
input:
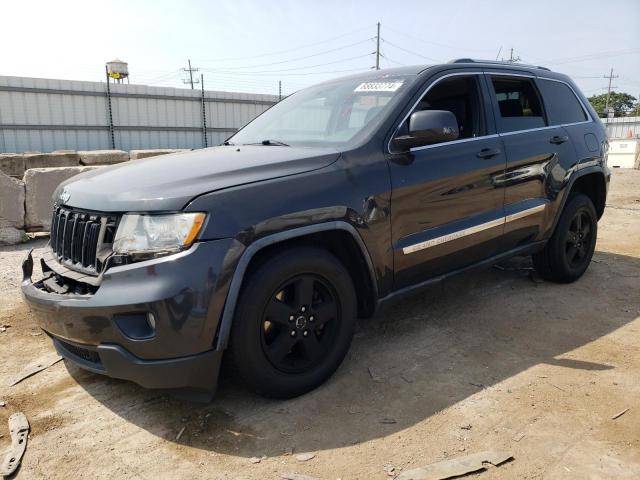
<point x="152" y="322"/>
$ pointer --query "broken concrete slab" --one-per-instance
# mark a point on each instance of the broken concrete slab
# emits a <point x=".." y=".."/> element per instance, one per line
<point x="19" y="430"/>
<point x="46" y="160"/>
<point x="103" y="157"/>
<point x="40" y="183"/>
<point x="12" y="193"/>
<point x="138" y="154"/>
<point x="456" y="466"/>
<point x="10" y="235"/>
<point x="297" y="476"/>
<point x="12" y="164"/>
<point x="36" y="366"/>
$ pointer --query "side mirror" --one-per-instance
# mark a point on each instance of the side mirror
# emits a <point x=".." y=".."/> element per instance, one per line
<point x="427" y="127"/>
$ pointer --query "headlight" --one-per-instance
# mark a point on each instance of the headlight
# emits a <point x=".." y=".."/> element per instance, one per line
<point x="157" y="234"/>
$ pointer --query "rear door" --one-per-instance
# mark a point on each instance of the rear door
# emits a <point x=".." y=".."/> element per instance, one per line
<point x="534" y="150"/>
<point x="446" y="208"/>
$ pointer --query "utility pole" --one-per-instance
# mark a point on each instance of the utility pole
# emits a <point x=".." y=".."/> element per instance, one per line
<point x="513" y="59"/>
<point x="611" y="76"/>
<point x="279" y="90"/>
<point x="204" y="114"/>
<point x="112" y="137"/>
<point x="378" y="48"/>
<point x="190" y="70"/>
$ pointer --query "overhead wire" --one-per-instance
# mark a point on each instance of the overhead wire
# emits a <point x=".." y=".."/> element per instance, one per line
<point x="289" y="49"/>
<point x="593" y="56"/>
<point x="409" y="51"/>
<point x="429" y="42"/>
<point x="275" y="72"/>
<point x="300" y="58"/>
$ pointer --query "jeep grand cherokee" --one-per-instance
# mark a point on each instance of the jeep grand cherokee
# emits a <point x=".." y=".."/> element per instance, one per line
<point x="340" y="197"/>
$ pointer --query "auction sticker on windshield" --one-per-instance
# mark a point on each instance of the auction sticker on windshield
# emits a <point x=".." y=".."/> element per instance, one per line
<point x="379" y="86"/>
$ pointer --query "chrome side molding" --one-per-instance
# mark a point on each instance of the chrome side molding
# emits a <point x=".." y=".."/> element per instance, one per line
<point x="416" y="247"/>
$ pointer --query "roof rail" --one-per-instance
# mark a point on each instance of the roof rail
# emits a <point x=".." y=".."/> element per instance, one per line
<point x="496" y="62"/>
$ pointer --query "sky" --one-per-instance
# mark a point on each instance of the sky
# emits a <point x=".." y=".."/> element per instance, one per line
<point x="251" y="45"/>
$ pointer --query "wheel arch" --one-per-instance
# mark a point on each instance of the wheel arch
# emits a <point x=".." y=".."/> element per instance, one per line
<point x="593" y="184"/>
<point x="328" y="235"/>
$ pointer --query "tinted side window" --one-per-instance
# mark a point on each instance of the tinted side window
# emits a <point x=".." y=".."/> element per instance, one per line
<point x="561" y="103"/>
<point x="519" y="107"/>
<point x="461" y="96"/>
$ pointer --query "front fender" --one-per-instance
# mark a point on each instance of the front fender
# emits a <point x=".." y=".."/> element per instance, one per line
<point x="242" y="261"/>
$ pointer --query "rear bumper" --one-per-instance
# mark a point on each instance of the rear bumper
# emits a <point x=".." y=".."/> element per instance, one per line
<point x="183" y="294"/>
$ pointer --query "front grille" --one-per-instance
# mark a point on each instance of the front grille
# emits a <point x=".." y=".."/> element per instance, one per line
<point x="82" y="353"/>
<point x="78" y="238"/>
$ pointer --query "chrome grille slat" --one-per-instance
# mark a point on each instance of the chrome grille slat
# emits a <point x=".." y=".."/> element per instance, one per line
<point x="83" y="252"/>
<point x="78" y="236"/>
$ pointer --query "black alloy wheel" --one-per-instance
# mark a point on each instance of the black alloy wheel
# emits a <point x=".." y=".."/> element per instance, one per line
<point x="293" y="323"/>
<point x="578" y="239"/>
<point x="298" y="324"/>
<point x="568" y="252"/>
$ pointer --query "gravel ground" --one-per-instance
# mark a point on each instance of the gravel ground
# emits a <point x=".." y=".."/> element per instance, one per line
<point x="491" y="360"/>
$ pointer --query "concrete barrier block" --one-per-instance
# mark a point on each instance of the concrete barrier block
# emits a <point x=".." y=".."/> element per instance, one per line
<point x="47" y="160"/>
<point x="102" y="157"/>
<point x="12" y="164"/>
<point x="40" y="183"/>
<point x="10" y="235"/>
<point x="138" y="154"/>
<point x="12" y="194"/>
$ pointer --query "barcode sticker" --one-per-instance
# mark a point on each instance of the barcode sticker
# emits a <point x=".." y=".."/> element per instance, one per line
<point x="379" y="86"/>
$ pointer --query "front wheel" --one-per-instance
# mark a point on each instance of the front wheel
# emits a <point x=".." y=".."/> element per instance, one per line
<point x="568" y="253"/>
<point x="294" y="322"/>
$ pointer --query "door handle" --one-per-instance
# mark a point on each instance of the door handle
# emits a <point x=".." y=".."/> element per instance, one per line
<point x="488" y="152"/>
<point x="558" y="139"/>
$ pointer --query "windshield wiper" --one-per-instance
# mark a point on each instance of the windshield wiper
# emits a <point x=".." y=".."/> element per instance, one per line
<point x="227" y="143"/>
<point x="269" y="142"/>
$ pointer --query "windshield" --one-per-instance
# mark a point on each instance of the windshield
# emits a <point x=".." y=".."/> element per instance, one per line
<point x="331" y="114"/>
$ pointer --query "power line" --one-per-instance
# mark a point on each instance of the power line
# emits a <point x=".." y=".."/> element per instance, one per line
<point x="300" y="58"/>
<point x="409" y="51"/>
<point x="392" y="60"/>
<point x="443" y="45"/>
<point x="267" y="72"/>
<point x="593" y="56"/>
<point x="289" y="49"/>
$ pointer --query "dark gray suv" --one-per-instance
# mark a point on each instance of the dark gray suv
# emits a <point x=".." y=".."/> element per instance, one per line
<point x="340" y="197"/>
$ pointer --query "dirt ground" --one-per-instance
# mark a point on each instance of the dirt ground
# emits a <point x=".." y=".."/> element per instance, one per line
<point x="495" y="360"/>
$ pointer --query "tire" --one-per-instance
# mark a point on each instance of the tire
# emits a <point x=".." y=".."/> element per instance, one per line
<point x="567" y="255"/>
<point x="298" y="290"/>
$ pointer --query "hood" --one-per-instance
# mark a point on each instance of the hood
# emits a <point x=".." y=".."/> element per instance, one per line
<point x="169" y="182"/>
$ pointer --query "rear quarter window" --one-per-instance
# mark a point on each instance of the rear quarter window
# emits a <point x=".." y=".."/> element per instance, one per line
<point x="561" y="103"/>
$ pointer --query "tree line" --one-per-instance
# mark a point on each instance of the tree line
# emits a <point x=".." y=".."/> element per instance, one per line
<point x="622" y="104"/>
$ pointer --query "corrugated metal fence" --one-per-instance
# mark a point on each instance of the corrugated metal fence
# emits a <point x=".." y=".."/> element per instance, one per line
<point x="622" y="127"/>
<point x="46" y="115"/>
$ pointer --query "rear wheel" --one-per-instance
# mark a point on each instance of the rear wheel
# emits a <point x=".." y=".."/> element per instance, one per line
<point x="294" y="322"/>
<point x="568" y="253"/>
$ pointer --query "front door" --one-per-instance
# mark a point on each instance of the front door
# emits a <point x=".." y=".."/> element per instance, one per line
<point x="446" y="206"/>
